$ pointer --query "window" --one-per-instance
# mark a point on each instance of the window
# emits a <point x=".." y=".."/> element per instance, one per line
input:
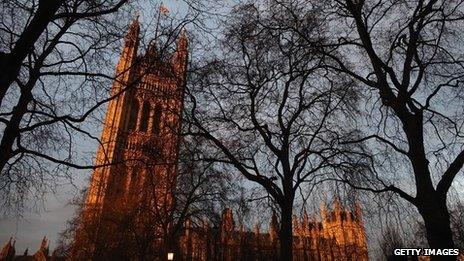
<point x="145" y="116"/>
<point x="133" y="115"/>
<point x="156" y="119"/>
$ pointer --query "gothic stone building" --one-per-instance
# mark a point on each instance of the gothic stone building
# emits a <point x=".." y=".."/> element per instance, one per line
<point x="338" y="236"/>
<point x="136" y="170"/>
<point x="136" y="161"/>
<point x="8" y="253"/>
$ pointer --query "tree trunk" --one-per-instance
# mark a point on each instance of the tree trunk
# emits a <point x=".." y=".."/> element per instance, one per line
<point x="11" y="131"/>
<point x="286" y="234"/>
<point x="437" y="225"/>
<point x="431" y="204"/>
<point x="11" y="62"/>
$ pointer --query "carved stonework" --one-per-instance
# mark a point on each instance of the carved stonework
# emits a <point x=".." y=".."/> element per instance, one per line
<point x="136" y="161"/>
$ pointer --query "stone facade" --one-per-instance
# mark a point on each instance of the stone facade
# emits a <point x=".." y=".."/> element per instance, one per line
<point x="136" y="163"/>
<point x="338" y="236"/>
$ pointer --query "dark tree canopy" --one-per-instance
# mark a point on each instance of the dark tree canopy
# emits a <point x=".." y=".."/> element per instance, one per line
<point x="58" y="63"/>
<point x="407" y="57"/>
<point x="270" y="108"/>
<point x="54" y="57"/>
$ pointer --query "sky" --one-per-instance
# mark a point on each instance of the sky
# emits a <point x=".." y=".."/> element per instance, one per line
<point x="33" y="226"/>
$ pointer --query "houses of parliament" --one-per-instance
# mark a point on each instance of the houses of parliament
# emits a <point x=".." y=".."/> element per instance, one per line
<point x="127" y="211"/>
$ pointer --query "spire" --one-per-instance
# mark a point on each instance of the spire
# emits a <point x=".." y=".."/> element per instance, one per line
<point x="323" y="211"/>
<point x="227" y="220"/>
<point x="357" y="211"/>
<point x="337" y="205"/>
<point x="227" y="225"/>
<point x="257" y="229"/>
<point x="348" y="215"/>
<point x="42" y="253"/>
<point x="296" y="225"/>
<point x="205" y="223"/>
<point x="182" y="42"/>
<point x="273" y="227"/>
<point x="305" y="221"/>
<point x="134" y="30"/>
<point x="129" y="52"/>
<point x="152" y="49"/>
<point x="44" y="245"/>
<point x="8" y="251"/>
<point x="305" y="214"/>
<point x="180" y="57"/>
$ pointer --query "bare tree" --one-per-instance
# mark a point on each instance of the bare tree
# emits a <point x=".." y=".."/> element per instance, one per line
<point x="406" y="56"/>
<point x="57" y="65"/>
<point x="146" y="231"/>
<point x="53" y="58"/>
<point x="269" y="108"/>
<point x="391" y="239"/>
<point x="413" y="232"/>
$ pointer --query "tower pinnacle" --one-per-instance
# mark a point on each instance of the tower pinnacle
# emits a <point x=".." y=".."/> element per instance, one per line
<point x="182" y="42"/>
<point x="134" y="29"/>
<point x="180" y="57"/>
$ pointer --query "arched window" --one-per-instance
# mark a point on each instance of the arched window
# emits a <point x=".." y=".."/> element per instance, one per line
<point x="133" y="115"/>
<point x="145" y="116"/>
<point x="156" y="119"/>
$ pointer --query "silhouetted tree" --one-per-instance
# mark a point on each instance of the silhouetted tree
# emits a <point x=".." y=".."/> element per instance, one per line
<point x="406" y="56"/>
<point x="145" y="231"/>
<point x="57" y="60"/>
<point x="269" y="108"/>
<point x="53" y="59"/>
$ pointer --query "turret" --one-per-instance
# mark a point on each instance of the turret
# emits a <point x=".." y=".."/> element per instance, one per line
<point x="44" y="244"/>
<point x="115" y="118"/>
<point x="180" y="57"/>
<point x="359" y="228"/>
<point x="227" y="221"/>
<point x="42" y="253"/>
<point x="305" y="222"/>
<point x="8" y="251"/>
<point x="323" y="212"/>
<point x="128" y="55"/>
<point x="152" y="51"/>
<point x="227" y="226"/>
<point x="273" y="227"/>
<point x="296" y="225"/>
<point x="205" y="224"/>
<point x="337" y="207"/>
<point x="348" y="216"/>
<point x="257" y="230"/>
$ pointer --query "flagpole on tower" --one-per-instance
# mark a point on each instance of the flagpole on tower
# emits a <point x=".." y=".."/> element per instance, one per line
<point x="161" y="10"/>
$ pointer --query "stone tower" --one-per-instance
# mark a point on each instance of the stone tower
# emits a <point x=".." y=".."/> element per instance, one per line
<point x="136" y="162"/>
<point x="346" y="228"/>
